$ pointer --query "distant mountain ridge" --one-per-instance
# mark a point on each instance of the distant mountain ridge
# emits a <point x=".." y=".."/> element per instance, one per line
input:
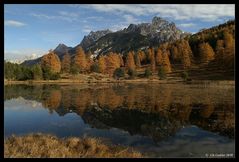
<point x="134" y="37"/>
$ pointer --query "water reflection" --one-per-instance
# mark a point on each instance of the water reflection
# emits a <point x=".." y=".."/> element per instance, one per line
<point x="153" y="110"/>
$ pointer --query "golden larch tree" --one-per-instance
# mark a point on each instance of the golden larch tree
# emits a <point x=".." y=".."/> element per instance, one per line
<point x="166" y="62"/>
<point x="137" y="59"/>
<point x="102" y="64"/>
<point x="121" y="60"/>
<point x="151" y="59"/>
<point x="229" y="49"/>
<point x="80" y="59"/>
<point x="89" y="61"/>
<point x="206" y="52"/>
<point x="51" y="61"/>
<point x="186" y="54"/>
<point x="66" y="63"/>
<point x="142" y="56"/>
<point x="220" y="52"/>
<point x="112" y="62"/>
<point x="175" y="53"/>
<point x="228" y="40"/>
<point x="130" y="64"/>
<point x="159" y="57"/>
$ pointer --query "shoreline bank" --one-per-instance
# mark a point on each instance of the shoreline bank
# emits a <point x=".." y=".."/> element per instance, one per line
<point x="219" y="82"/>
<point x="50" y="146"/>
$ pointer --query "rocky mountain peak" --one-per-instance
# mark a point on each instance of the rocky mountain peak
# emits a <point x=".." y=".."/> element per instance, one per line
<point x="156" y="20"/>
<point x="159" y="23"/>
<point x="132" y="28"/>
<point x="60" y="47"/>
<point x="140" y="35"/>
<point x="92" y="37"/>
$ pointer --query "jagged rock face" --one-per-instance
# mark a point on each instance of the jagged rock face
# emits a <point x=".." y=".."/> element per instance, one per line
<point x="161" y="30"/>
<point x="144" y="28"/>
<point x="132" y="28"/>
<point x="159" y="24"/>
<point x="156" y="28"/>
<point x="93" y="37"/>
<point x="138" y="36"/>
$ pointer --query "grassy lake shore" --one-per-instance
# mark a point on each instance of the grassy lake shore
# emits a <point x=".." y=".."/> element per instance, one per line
<point x="49" y="146"/>
<point x="136" y="81"/>
<point x="95" y="78"/>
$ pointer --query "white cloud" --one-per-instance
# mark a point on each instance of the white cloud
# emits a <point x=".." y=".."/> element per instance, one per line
<point x="71" y="14"/>
<point x="129" y="19"/>
<point x="204" y="12"/>
<point x="14" y="23"/>
<point x="86" y="30"/>
<point x="68" y="16"/>
<point x="95" y="18"/>
<point x="187" y="25"/>
<point x="61" y="15"/>
<point x="44" y="16"/>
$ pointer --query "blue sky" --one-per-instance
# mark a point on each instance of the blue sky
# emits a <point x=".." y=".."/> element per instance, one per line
<point x="34" y="29"/>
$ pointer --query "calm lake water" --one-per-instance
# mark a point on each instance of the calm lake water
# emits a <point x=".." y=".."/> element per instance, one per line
<point x="162" y="120"/>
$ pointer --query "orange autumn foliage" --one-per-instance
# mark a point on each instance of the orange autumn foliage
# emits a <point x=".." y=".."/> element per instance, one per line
<point x="130" y="64"/>
<point x="51" y="61"/>
<point x="206" y="52"/>
<point x="80" y="59"/>
<point x="66" y="63"/>
<point x="113" y="62"/>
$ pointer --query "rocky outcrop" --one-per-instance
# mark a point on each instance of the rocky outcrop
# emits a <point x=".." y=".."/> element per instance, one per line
<point x="92" y="38"/>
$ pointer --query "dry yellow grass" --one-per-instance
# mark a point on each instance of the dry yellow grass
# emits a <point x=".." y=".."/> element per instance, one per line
<point x="49" y="146"/>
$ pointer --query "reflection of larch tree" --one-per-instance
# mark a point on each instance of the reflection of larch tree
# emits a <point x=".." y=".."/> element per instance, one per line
<point x="66" y="98"/>
<point x="113" y="100"/>
<point x="52" y="102"/>
<point x="82" y="100"/>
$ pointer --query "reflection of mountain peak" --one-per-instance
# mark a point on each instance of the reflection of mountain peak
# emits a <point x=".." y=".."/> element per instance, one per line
<point x="144" y="106"/>
<point x="133" y="121"/>
<point x="29" y="104"/>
